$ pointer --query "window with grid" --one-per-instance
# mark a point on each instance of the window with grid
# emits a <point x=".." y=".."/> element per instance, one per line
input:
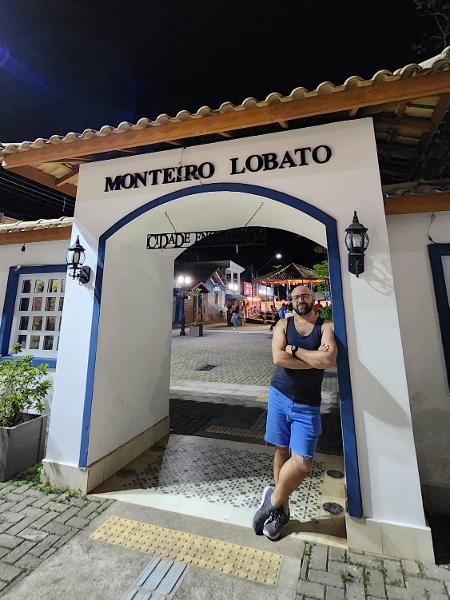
<point x="38" y="312"/>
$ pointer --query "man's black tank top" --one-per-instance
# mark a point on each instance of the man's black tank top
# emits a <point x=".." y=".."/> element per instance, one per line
<point x="301" y="385"/>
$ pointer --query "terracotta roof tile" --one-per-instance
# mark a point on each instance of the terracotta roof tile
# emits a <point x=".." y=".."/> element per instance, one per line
<point x="436" y="64"/>
<point x="33" y="225"/>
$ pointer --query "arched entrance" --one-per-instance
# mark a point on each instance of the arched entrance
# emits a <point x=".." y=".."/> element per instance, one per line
<point x="278" y="200"/>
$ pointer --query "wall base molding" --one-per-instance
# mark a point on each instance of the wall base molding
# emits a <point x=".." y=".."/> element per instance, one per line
<point x="390" y="539"/>
<point x="86" y="479"/>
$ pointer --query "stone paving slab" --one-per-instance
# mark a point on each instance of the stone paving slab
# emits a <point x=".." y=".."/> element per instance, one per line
<point x="67" y="563"/>
<point x="31" y="527"/>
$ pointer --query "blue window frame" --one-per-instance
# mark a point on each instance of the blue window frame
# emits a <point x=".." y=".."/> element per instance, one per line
<point x="440" y="267"/>
<point x="9" y="305"/>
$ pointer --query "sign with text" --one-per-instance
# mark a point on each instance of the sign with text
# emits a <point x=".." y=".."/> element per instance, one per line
<point x="254" y="163"/>
<point x="255" y="236"/>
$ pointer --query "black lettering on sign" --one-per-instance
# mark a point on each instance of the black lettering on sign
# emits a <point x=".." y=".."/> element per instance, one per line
<point x="254" y="163"/>
<point x="128" y="181"/>
<point x="234" y="167"/>
<point x="168" y="175"/>
<point x="206" y="170"/>
<point x="302" y="152"/>
<point x="321" y="154"/>
<point x="287" y="161"/>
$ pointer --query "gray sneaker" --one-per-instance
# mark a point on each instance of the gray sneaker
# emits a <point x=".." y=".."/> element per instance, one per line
<point x="263" y="511"/>
<point x="277" y="519"/>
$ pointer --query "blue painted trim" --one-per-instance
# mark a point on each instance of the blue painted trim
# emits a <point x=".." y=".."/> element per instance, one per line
<point x="348" y="425"/>
<point x="10" y="298"/>
<point x="37" y="360"/>
<point x="436" y="252"/>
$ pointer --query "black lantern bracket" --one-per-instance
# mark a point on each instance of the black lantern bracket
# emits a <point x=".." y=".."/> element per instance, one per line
<point x="357" y="242"/>
<point x="75" y="263"/>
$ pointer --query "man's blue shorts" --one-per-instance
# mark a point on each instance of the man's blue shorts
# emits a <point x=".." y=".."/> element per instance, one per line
<point x="293" y="425"/>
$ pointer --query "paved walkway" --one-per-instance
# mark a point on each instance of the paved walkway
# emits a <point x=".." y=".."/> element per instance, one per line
<point x="84" y="568"/>
<point x="230" y="365"/>
<point x="238" y="356"/>
<point x="35" y="524"/>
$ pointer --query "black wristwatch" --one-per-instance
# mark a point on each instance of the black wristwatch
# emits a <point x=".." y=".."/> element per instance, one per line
<point x="294" y="350"/>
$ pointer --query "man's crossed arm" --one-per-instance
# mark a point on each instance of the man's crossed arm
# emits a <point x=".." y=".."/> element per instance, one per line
<point x="322" y="358"/>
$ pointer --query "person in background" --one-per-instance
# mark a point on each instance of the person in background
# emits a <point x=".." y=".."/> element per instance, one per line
<point x="225" y="313"/>
<point x="242" y="314"/>
<point x="229" y="312"/>
<point x="235" y="318"/>
<point x="276" y="317"/>
<point x="282" y="311"/>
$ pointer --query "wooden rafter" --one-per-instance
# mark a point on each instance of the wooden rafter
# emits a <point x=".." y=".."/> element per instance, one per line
<point x="425" y="203"/>
<point x="45" y="179"/>
<point x="36" y="235"/>
<point x="436" y="119"/>
<point x="429" y="84"/>
<point x="71" y="178"/>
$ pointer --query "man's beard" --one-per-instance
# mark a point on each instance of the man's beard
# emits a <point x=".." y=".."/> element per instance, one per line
<point x="304" y="310"/>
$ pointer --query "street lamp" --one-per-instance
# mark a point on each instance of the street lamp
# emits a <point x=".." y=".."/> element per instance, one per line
<point x="183" y="283"/>
<point x="357" y="241"/>
<point x="277" y="255"/>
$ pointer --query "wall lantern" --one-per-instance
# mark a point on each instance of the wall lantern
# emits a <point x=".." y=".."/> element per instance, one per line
<point x="75" y="258"/>
<point x="357" y="241"/>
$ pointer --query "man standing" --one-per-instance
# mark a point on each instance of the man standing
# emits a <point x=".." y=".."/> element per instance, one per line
<point x="302" y="347"/>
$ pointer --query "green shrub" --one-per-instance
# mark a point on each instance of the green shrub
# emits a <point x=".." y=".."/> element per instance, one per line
<point x="22" y="387"/>
<point x="326" y="313"/>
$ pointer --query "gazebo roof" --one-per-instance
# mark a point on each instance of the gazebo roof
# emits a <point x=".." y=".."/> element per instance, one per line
<point x="292" y="273"/>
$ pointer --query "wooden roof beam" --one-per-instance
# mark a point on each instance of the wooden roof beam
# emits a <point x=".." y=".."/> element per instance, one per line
<point x="436" y="119"/>
<point x="45" y="179"/>
<point x="71" y="178"/>
<point x="36" y="235"/>
<point x="429" y="84"/>
<point x="425" y="203"/>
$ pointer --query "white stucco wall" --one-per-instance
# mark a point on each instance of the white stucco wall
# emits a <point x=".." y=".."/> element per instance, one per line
<point x="349" y="181"/>
<point x="38" y="253"/>
<point x="421" y="337"/>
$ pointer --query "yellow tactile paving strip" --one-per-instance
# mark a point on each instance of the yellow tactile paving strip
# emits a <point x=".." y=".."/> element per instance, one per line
<point x="237" y="431"/>
<point x="232" y="559"/>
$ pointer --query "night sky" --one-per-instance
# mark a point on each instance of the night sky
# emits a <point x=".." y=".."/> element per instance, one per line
<point x="71" y="65"/>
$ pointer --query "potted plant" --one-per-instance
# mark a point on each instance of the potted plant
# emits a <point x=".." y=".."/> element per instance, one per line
<point x="196" y="327"/>
<point x="23" y="389"/>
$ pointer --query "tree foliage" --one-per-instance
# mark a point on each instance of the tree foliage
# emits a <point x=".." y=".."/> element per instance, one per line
<point x="438" y="11"/>
<point x="322" y="269"/>
<point x="22" y="387"/>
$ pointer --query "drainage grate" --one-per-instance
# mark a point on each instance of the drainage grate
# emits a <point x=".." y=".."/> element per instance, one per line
<point x="160" y="579"/>
<point x="335" y="474"/>
<point x="206" y="367"/>
<point x="333" y="508"/>
<point x="126" y="473"/>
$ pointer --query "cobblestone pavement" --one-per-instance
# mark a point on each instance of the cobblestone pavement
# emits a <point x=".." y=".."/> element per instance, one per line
<point x="240" y="356"/>
<point x="34" y="525"/>
<point x="335" y="574"/>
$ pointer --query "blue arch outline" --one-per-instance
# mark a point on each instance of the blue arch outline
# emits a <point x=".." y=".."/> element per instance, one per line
<point x="347" y="418"/>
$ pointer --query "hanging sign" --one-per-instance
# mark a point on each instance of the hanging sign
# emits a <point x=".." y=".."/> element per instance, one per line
<point x="255" y="236"/>
<point x="248" y="289"/>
